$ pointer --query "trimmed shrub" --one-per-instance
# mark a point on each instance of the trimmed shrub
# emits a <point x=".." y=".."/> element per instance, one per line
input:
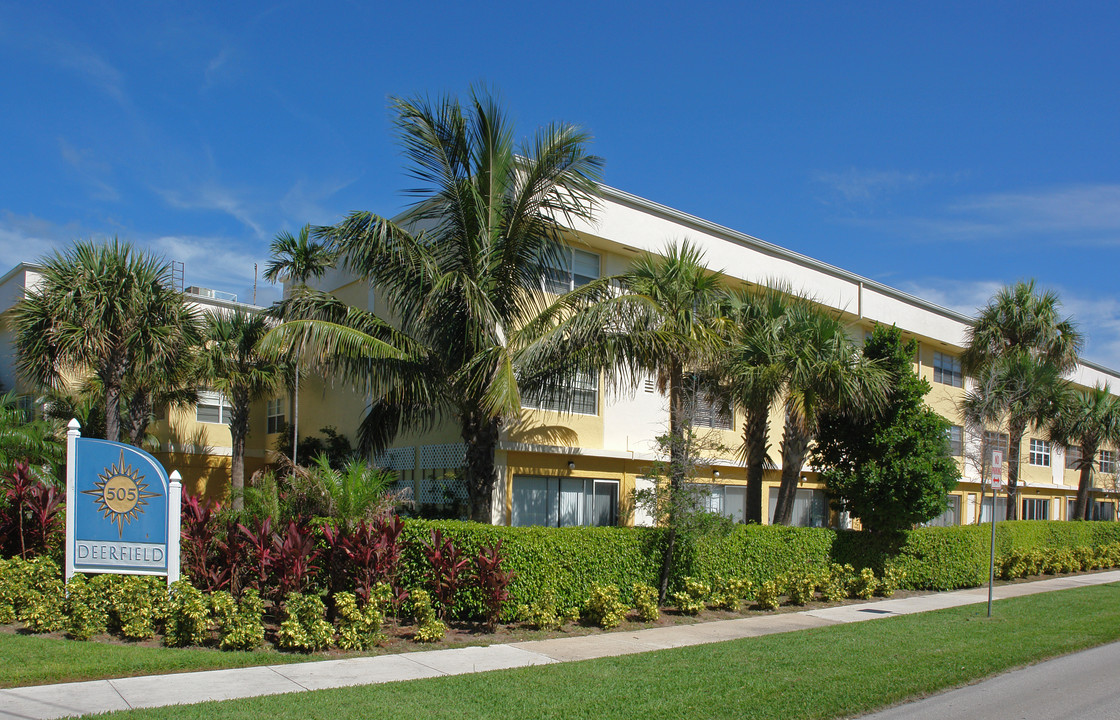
<point x="692" y="596"/>
<point x="188" y="616"/>
<point x="359" y="628"/>
<point x="645" y="602"/>
<point x="565" y="562"/>
<point x="604" y="608"/>
<point x="758" y="552"/>
<point x="768" y="596"/>
<point x="545" y="615"/>
<point x="730" y="594"/>
<point x="85" y="609"/>
<point x="429" y="628"/>
<point x="240" y="622"/>
<point x="306" y="627"/>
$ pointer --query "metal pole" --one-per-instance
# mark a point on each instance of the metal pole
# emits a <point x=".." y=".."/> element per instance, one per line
<point x="992" y="555"/>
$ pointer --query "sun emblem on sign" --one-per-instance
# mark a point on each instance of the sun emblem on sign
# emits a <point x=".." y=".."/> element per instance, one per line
<point x="121" y="493"/>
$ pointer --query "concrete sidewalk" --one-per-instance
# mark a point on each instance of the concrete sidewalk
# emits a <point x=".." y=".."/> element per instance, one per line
<point x="68" y="699"/>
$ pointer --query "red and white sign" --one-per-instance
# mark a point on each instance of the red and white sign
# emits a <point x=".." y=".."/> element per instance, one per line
<point x="997" y="469"/>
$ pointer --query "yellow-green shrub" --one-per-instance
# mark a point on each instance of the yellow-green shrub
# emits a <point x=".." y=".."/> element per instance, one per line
<point x="188" y="616"/>
<point x="306" y="627"/>
<point x="604" y="608"/>
<point x="692" y="596"/>
<point x="359" y="628"/>
<point x="240" y="623"/>
<point x="645" y="602"/>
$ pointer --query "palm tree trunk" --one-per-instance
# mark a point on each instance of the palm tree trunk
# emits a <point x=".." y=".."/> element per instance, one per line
<point x="481" y="437"/>
<point x="1084" y="483"/>
<point x="113" y="413"/>
<point x="755" y="430"/>
<point x="295" y="415"/>
<point x="1015" y="450"/>
<point x="795" y="444"/>
<point x="678" y="470"/>
<point x="238" y="430"/>
<point x="139" y="411"/>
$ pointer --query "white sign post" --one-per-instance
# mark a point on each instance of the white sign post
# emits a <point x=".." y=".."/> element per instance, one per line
<point x="997" y="477"/>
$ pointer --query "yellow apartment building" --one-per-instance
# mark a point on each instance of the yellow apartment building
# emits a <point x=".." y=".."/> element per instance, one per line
<point x="578" y="460"/>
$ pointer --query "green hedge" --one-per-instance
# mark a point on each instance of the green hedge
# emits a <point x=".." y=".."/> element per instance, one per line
<point x="568" y="561"/>
<point x="563" y="561"/>
<point x="755" y="552"/>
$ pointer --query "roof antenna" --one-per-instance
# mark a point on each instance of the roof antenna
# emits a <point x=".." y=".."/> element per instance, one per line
<point x="254" y="283"/>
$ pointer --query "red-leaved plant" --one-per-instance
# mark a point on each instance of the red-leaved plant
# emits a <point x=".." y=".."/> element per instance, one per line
<point x="447" y="570"/>
<point x="293" y="558"/>
<point x="32" y="510"/>
<point x="367" y="555"/>
<point x="493" y="581"/>
<point x="257" y="537"/>
<point x="198" y="529"/>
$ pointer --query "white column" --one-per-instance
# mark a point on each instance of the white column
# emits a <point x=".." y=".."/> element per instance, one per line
<point x="73" y="432"/>
<point x="174" y="514"/>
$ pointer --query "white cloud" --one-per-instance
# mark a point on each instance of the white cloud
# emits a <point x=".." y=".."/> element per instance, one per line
<point x="861" y="185"/>
<point x="219" y="263"/>
<point x="1086" y="215"/>
<point x="26" y="238"/>
<point x="1072" y="209"/>
<point x="1097" y="317"/>
<point x="216" y="263"/>
<point x="211" y="196"/>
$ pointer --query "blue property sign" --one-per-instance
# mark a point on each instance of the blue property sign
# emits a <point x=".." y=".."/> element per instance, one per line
<point x="122" y="510"/>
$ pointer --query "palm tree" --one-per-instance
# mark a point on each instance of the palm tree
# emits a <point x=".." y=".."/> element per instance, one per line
<point x="231" y="363"/>
<point x="753" y="372"/>
<point x="297" y="260"/>
<point x="1019" y="328"/>
<point x="824" y="370"/>
<point x="1087" y="419"/>
<point x="462" y="276"/>
<point x="1022" y="391"/>
<point x="100" y="309"/>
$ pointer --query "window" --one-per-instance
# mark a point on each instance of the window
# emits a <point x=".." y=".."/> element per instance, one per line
<point x="579" y="395"/>
<point x="951" y="516"/>
<point x="1073" y="457"/>
<point x="986" y="509"/>
<point x="276" y="415"/>
<point x="727" y="500"/>
<point x="947" y="370"/>
<point x="564" y="502"/>
<point x="1036" y="509"/>
<point x="810" y="508"/>
<point x="955" y="433"/>
<point x="1040" y="452"/>
<point x="709" y="412"/>
<point x="576" y="269"/>
<point x="995" y="441"/>
<point x="213" y="407"/>
<point x="1098" y="509"/>
<point x="1108" y="461"/>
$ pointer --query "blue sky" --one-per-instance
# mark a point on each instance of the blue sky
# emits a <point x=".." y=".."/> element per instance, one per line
<point x="944" y="150"/>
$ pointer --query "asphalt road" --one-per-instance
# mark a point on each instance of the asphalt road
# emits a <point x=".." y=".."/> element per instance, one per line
<point x="1082" y="686"/>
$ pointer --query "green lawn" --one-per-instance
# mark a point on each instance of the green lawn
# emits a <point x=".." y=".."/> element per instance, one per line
<point x="828" y="672"/>
<point x="33" y="660"/>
